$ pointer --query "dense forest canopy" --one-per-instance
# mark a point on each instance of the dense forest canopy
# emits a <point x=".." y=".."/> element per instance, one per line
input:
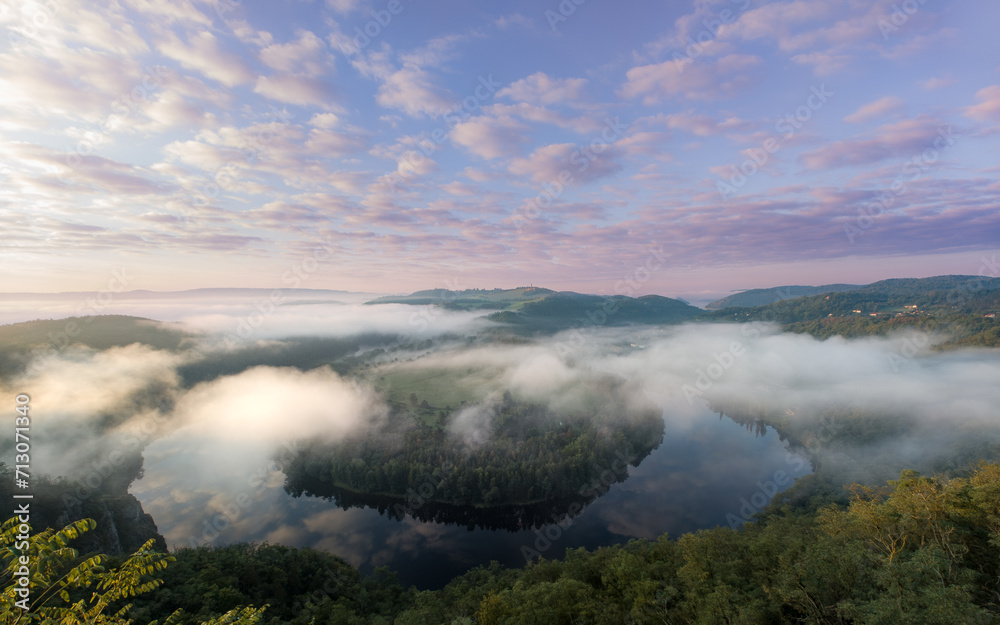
<point x="496" y="453"/>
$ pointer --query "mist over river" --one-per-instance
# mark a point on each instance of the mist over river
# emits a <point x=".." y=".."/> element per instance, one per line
<point x="705" y="469"/>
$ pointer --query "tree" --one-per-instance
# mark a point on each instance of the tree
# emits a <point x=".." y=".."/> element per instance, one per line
<point x="60" y="580"/>
<point x="70" y="589"/>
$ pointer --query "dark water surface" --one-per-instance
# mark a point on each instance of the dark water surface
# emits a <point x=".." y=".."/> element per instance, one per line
<point x="702" y="472"/>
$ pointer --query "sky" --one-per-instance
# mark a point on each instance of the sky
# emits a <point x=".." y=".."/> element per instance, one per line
<point x="683" y="148"/>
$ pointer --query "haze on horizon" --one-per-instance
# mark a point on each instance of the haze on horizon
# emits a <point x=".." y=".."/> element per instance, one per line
<point x="724" y="145"/>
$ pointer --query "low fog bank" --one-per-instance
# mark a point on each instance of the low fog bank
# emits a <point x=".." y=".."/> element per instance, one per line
<point x="165" y="306"/>
<point x="242" y="315"/>
<point x="88" y="404"/>
<point x="685" y="367"/>
<point x="872" y="405"/>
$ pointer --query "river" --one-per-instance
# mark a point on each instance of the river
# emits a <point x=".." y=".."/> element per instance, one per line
<point x="707" y="472"/>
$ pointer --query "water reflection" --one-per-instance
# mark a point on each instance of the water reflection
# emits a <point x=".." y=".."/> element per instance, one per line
<point x="510" y="518"/>
<point x="703" y="471"/>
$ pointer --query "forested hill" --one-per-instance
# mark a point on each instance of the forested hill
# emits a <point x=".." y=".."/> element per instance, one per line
<point x="965" y="294"/>
<point x="964" y="307"/>
<point x="469" y="299"/>
<point x="763" y="297"/>
<point x="530" y="310"/>
<point x="19" y="341"/>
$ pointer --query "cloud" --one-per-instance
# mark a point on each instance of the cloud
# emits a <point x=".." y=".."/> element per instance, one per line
<point x="988" y="108"/>
<point x="84" y="392"/>
<point x="73" y="25"/>
<point x="879" y="108"/>
<point x="908" y="137"/>
<point x="538" y="114"/>
<point x="820" y="25"/>
<point x="705" y="125"/>
<point x="79" y="386"/>
<point x="306" y="56"/>
<point x="228" y="430"/>
<point x="829" y="35"/>
<point x="514" y="20"/>
<point x="203" y="53"/>
<point x="937" y="82"/>
<point x="824" y="63"/>
<point x="248" y="34"/>
<point x="298" y="90"/>
<point x="490" y="137"/>
<point x="255" y="406"/>
<point x="69" y="85"/>
<point x="330" y="143"/>
<point x="75" y="173"/>
<point x="169" y="12"/>
<point x="707" y="79"/>
<point x="412" y="91"/>
<point x="324" y="120"/>
<point x="540" y="89"/>
<point x="345" y="6"/>
<point x="801" y="371"/>
<point x="547" y="163"/>
<point x="245" y="155"/>
<point x="319" y="315"/>
<point x="684" y="368"/>
<point x="472" y="425"/>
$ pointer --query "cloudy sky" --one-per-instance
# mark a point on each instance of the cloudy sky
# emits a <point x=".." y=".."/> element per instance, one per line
<point x="391" y="145"/>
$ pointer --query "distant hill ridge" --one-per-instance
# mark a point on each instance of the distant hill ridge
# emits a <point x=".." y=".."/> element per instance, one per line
<point x="935" y="288"/>
<point x="538" y="310"/>
<point x="762" y="297"/>
<point x="496" y="299"/>
<point x="532" y="310"/>
<point x="963" y="308"/>
<point x="204" y="292"/>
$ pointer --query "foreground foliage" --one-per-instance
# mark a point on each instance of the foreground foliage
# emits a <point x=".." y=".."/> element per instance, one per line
<point x="69" y="589"/>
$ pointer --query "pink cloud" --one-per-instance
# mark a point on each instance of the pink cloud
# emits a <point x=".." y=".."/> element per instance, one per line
<point x="988" y="107"/>
<point x="168" y="12"/>
<point x="490" y="137"/>
<point x="203" y="54"/>
<point x="707" y="79"/>
<point x="412" y="91"/>
<point x="306" y="55"/>
<point x="706" y="126"/>
<point x="539" y="88"/>
<point x="542" y="115"/>
<point x="937" y="82"/>
<point x="823" y="63"/>
<point x="904" y="138"/>
<point x="566" y="162"/>
<point x="324" y="142"/>
<point x="300" y="90"/>
<point x="879" y="108"/>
